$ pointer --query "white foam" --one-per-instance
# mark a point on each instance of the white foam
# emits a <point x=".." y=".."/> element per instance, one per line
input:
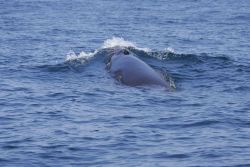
<point x="171" y="50"/>
<point x="109" y="43"/>
<point x="72" y="56"/>
<point x="119" y="41"/>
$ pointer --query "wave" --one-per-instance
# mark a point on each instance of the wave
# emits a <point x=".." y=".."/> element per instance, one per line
<point x="107" y="44"/>
<point x="165" y="54"/>
<point x="75" y="61"/>
<point x="60" y="67"/>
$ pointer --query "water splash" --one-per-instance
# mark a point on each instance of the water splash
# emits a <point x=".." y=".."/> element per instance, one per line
<point x="83" y="56"/>
<point x="171" y="50"/>
<point x="119" y="41"/>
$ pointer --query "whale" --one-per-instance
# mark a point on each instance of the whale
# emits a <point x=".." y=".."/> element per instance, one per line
<point x="128" y="69"/>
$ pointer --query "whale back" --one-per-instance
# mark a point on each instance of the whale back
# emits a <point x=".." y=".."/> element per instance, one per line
<point x="127" y="68"/>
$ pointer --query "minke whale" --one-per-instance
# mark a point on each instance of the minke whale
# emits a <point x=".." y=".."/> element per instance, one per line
<point x="128" y="69"/>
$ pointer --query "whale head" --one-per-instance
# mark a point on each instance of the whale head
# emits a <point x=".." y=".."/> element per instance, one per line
<point x="117" y="51"/>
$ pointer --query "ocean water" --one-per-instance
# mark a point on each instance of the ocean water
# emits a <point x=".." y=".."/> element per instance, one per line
<point x="59" y="106"/>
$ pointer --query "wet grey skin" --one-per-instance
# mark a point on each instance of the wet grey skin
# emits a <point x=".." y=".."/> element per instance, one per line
<point x="132" y="71"/>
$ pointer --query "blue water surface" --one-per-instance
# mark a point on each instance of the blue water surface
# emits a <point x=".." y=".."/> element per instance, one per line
<point x="59" y="106"/>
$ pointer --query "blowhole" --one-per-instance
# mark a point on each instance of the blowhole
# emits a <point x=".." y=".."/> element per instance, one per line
<point x="126" y="52"/>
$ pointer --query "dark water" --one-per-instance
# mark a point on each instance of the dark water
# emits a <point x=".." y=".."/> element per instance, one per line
<point x="60" y="107"/>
